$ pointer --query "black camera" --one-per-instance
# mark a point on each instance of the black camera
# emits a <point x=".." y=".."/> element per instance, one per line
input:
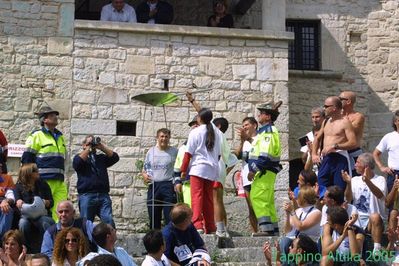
<point x="95" y="141"/>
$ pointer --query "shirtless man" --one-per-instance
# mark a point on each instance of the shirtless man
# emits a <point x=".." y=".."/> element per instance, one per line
<point x="348" y="99"/>
<point x="338" y="137"/>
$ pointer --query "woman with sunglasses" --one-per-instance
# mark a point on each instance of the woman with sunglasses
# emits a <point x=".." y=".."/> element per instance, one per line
<point x="33" y="198"/>
<point x="69" y="247"/>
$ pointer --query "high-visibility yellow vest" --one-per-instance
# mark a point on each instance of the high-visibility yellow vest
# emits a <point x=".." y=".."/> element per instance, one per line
<point x="265" y="152"/>
<point x="47" y="151"/>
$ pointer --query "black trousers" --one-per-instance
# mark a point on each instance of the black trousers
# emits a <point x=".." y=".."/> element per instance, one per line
<point x="164" y="197"/>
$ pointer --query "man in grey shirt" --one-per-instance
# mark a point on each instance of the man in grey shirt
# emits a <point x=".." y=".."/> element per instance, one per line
<point x="158" y="172"/>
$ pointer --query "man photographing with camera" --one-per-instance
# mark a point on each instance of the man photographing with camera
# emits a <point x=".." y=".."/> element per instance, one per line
<point x="93" y="182"/>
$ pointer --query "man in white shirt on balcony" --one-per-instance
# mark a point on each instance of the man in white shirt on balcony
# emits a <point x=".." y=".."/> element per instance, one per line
<point x="118" y="11"/>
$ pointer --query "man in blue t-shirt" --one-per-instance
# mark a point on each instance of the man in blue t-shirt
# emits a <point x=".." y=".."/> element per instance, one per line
<point x="184" y="244"/>
<point x="93" y="183"/>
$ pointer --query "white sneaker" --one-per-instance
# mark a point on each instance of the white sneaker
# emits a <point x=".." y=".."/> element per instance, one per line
<point x="200" y="231"/>
<point x="222" y="234"/>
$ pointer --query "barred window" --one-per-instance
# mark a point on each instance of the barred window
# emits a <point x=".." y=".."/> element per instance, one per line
<point x="304" y="51"/>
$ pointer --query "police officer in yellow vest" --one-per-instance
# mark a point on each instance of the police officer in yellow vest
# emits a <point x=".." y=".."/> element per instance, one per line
<point x="264" y="164"/>
<point x="46" y="148"/>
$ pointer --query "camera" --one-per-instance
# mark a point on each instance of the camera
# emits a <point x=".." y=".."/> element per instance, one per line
<point x="95" y="141"/>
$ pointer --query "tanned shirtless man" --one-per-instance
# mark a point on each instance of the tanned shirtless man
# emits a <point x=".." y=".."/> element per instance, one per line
<point x="338" y="136"/>
<point x="348" y="99"/>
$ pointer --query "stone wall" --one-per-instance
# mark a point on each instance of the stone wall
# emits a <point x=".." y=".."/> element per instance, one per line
<point x="36" y="64"/>
<point x="359" y="47"/>
<point x="114" y="63"/>
<point x="90" y="70"/>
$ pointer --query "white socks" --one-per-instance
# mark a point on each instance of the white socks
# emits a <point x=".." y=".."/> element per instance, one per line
<point x="220" y="227"/>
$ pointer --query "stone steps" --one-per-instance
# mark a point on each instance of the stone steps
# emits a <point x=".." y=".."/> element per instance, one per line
<point x="239" y="264"/>
<point x="245" y="254"/>
<point x="238" y="250"/>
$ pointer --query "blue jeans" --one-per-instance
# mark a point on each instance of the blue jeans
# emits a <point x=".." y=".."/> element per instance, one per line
<point x="92" y="204"/>
<point x="31" y="228"/>
<point x="5" y="222"/>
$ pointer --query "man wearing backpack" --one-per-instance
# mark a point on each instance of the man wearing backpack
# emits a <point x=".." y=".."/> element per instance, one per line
<point x="66" y="215"/>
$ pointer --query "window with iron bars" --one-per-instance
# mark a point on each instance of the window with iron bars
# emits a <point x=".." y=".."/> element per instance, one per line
<point x="304" y="51"/>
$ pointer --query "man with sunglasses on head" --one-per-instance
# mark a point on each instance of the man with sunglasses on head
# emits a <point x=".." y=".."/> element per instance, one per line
<point x="348" y="99"/>
<point x="337" y="136"/>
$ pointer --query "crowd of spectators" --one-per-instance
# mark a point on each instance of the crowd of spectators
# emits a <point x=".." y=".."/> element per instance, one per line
<point x="340" y="206"/>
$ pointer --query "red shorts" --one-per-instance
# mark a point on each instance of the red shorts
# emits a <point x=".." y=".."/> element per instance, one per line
<point x="217" y="184"/>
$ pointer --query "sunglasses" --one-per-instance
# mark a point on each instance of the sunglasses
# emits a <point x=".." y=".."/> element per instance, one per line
<point x="71" y="240"/>
<point x="343" y="99"/>
<point x="327" y="106"/>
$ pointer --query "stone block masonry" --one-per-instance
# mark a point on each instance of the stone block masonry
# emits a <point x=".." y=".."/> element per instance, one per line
<point x="89" y="70"/>
<point x="110" y="70"/>
<point x="359" y="52"/>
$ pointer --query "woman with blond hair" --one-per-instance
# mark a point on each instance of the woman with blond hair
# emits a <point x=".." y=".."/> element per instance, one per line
<point x="304" y="220"/>
<point x="69" y="247"/>
<point x="33" y="198"/>
<point x="13" y="252"/>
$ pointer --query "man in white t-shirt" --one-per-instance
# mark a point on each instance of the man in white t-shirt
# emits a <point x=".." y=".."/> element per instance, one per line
<point x="342" y="238"/>
<point x="389" y="143"/>
<point x="318" y="116"/>
<point x="118" y="11"/>
<point x="155" y="246"/>
<point x="367" y="192"/>
<point x="247" y="134"/>
<point x="334" y="196"/>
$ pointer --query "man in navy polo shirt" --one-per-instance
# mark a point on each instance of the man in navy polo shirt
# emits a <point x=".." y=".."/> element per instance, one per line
<point x="93" y="183"/>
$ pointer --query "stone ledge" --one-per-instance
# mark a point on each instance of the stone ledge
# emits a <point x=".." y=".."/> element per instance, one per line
<point x="184" y="30"/>
<point x="322" y="74"/>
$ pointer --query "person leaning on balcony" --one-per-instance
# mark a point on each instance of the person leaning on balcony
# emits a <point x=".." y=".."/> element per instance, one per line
<point x="155" y="12"/>
<point x="220" y="18"/>
<point x="118" y="11"/>
<point x="46" y="148"/>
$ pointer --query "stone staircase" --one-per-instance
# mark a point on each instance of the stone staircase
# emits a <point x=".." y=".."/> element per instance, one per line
<point x="239" y="250"/>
